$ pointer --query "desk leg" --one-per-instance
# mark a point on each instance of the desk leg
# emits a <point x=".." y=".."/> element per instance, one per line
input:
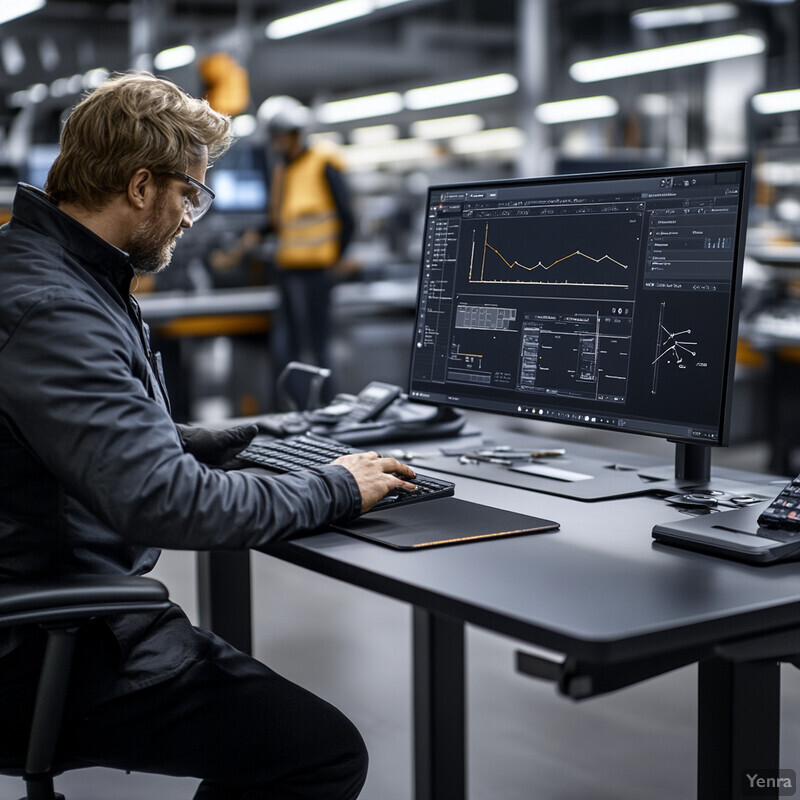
<point x="738" y="726"/>
<point x="439" y="707"/>
<point x="223" y="593"/>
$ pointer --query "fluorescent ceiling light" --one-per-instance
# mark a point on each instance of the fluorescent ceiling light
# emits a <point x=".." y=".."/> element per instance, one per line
<point x="38" y="92"/>
<point x="49" y="53"/>
<point x="579" y="109"/>
<point x="388" y="154"/>
<point x="94" y="77"/>
<point x="649" y="18"/>
<point x="12" y="55"/>
<point x="670" y="57"/>
<point x="326" y="136"/>
<point x="59" y="87"/>
<point x="466" y="91"/>
<point x="12" y="9"/>
<point x="324" y="16"/>
<point x="319" y="17"/>
<point x="174" y="57"/>
<point x="18" y="99"/>
<point x="777" y="102"/>
<point x="374" y="105"/>
<point x="244" y="125"/>
<point x="653" y="104"/>
<point x="445" y="127"/>
<point x="374" y="134"/>
<point x="488" y="142"/>
<point x="76" y="83"/>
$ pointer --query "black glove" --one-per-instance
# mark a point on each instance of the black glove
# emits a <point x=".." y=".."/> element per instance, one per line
<point x="216" y="448"/>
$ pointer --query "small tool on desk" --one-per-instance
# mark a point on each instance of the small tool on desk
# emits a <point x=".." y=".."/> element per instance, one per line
<point x="476" y="458"/>
<point x="503" y="454"/>
<point x="504" y="451"/>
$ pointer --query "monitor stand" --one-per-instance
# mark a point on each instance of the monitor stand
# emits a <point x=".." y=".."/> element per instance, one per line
<point x="692" y="462"/>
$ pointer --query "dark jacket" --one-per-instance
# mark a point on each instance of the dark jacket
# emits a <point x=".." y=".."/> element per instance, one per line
<point x="93" y="475"/>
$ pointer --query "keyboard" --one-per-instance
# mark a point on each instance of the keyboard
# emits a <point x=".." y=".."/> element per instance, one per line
<point x="309" y="450"/>
<point x="784" y="511"/>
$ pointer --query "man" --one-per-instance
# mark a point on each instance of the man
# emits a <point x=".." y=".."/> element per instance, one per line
<point x="310" y="211"/>
<point x="95" y="477"/>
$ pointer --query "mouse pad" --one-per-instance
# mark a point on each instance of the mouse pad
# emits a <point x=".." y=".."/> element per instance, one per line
<point x="447" y="520"/>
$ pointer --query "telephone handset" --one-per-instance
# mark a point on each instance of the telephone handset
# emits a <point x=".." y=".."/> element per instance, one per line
<point x="373" y="399"/>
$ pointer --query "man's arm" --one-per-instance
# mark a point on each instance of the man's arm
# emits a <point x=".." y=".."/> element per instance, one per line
<point x="68" y="385"/>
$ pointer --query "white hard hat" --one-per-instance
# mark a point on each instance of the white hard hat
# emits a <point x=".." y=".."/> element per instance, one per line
<point x="281" y="114"/>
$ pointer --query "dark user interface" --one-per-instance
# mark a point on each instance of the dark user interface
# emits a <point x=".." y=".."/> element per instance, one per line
<point x="603" y="302"/>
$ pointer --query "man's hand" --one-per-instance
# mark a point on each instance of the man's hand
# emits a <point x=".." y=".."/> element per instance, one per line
<point x="376" y="476"/>
<point x="216" y="448"/>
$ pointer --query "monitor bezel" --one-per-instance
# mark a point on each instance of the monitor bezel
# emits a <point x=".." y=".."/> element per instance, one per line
<point x="734" y="307"/>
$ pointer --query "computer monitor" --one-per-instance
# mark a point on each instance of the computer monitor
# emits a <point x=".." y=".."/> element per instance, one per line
<point x="239" y="180"/>
<point x="605" y="300"/>
<point x="39" y="159"/>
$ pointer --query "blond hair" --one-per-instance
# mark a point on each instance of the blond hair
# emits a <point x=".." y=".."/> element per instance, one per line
<point x="132" y="120"/>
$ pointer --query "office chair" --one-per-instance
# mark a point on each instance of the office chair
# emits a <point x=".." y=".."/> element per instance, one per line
<point x="60" y="606"/>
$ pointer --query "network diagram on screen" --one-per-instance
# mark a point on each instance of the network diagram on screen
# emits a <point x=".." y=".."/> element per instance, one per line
<point x="598" y="300"/>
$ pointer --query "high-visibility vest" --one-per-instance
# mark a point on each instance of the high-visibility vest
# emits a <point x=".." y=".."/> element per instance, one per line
<point x="304" y="212"/>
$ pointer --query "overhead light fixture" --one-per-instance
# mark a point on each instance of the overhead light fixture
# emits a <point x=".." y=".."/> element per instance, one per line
<point x="12" y="55"/>
<point x="324" y="16"/>
<point x="777" y="102"/>
<point x="75" y="84"/>
<point x="374" y="105"/>
<point x="59" y="87"/>
<point x="175" y="57"/>
<point x="388" y="154"/>
<point x="650" y="18"/>
<point x="244" y="125"/>
<point x="319" y="17"/>
<point x="326" y="136"/>
<point x="466" y="91"/>
<point x="581" y="108"/>
<point x="488" y="142"/>
<point x="445" y="127"/>
<point x="670" y="57"/>
<point x="19" y="8"/>
<point x="374" y="134"/>
<point x="94" y="77"/>
<point x="49" y="54"/>
<point x="38" y="92"/>
<point x="653" y="104"/>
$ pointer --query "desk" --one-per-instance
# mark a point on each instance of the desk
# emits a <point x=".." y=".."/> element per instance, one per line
<point x="615" y="608"/>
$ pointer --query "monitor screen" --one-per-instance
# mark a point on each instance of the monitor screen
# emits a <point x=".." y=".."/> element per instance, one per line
<point x="239" y="180"/>
<point x="606" y="300"/>
<point x="39" y="159"/>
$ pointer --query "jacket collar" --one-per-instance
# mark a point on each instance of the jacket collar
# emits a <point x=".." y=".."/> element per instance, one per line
<point x="34" y="208"/>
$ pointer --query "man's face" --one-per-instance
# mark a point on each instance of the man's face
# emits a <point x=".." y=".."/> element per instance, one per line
<point x="152" y="243"/>
<point x="284" y="145"/>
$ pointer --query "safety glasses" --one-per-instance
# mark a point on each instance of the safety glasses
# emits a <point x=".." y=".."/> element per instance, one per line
<point x="196" y="205"/>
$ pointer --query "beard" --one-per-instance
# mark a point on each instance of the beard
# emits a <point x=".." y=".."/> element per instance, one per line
<point x="149" y="251"/>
